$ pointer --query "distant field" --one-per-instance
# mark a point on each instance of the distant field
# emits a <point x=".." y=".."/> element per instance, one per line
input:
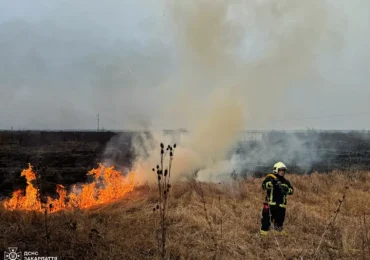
<point x="66" y="156"/>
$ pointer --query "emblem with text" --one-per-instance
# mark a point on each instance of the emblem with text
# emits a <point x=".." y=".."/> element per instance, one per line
<point x="13" y="254"/>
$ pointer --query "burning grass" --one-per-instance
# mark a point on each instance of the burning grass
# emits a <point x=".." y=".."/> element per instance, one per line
<point x="125" y="229"/>
<point x="108" y="185"/>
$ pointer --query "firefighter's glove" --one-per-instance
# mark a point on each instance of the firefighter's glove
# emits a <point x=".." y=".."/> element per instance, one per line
<point x="276" y="182"/>
<point x="284" y="188"/>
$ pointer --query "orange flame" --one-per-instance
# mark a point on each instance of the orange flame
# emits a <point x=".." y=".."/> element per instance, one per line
<point x="115" y="186"/>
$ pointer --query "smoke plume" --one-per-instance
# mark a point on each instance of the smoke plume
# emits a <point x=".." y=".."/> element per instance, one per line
<point x="214" y="68"/>
<point x="218" y="88"/>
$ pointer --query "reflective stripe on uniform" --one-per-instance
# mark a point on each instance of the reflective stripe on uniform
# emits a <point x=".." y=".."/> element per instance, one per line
<point x="271" y="195"/>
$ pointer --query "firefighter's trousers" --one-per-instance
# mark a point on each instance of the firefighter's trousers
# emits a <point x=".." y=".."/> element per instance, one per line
<point x="277" y="217"/>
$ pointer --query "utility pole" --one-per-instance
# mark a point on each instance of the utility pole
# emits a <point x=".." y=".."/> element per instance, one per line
<point x="97" y="118"/>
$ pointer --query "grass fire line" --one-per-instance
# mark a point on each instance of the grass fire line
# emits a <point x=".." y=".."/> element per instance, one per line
<point x="85" y="234"/>
<point x="124" y="229"/>
<point x="115" y="187"/>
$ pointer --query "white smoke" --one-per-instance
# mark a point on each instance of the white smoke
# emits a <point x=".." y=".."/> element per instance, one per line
<point x="219" y="91"/>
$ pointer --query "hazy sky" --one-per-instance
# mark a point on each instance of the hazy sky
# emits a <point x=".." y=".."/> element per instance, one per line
<point x="62" y="62"/>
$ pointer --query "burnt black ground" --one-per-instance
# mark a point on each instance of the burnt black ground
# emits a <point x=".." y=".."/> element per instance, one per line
<point x="66" y="157"/>
<point x="307" y="152"/>
<point x="59" y="157"/>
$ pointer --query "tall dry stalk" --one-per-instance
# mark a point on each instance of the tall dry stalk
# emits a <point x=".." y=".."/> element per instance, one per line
<point x="208" y="219"/>
<point x="43" y="200"/>
<point x="219" y="202"/>
<point x="46" y="230"/>
<point x="332" y="221"/>
<point x="163" y="177"/>
<point x="366" y="236"/>
<point x="221" y="220"/>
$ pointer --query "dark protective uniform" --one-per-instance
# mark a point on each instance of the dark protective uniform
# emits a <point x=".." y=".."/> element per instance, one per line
<point x="277" y="188"/>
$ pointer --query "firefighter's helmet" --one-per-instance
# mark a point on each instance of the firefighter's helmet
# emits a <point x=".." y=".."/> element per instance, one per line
<point x="279" y="166"/>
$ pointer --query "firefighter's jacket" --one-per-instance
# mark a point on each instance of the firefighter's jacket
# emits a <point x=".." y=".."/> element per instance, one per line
<point x="277" y="188"/>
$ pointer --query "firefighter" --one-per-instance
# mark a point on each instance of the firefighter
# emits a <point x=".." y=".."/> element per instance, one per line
<point x="277" y="189"/>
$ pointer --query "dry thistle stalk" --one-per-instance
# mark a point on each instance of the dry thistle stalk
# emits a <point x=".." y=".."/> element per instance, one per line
<point x="163" y="177"/>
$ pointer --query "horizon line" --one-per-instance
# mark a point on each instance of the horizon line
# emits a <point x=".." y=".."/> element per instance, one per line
<point x="178" y="130"/>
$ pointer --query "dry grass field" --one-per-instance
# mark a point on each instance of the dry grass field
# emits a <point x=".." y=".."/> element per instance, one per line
<point x="207" y="221"/>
